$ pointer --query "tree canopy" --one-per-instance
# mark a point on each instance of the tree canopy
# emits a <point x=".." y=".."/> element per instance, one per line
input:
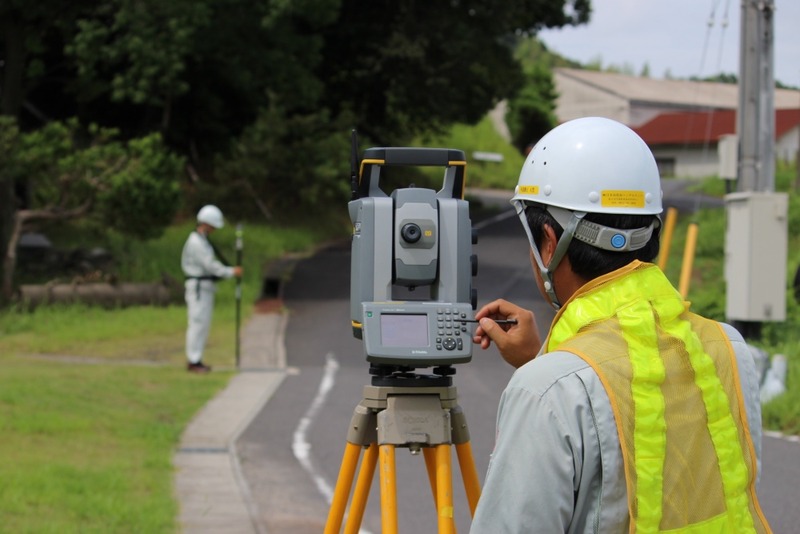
<point x="77" y="172"/>
<point x="262" y="94"/>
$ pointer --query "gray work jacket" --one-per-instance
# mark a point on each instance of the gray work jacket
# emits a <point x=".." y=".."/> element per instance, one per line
<point x="557" y="463"/>
<point x="199" y="261"/>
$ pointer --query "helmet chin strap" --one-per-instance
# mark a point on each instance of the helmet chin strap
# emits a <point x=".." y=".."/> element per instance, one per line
<point x="558" y="254"/>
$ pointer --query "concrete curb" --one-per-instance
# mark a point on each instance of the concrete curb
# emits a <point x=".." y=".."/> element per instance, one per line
<point x="212" y="493"/>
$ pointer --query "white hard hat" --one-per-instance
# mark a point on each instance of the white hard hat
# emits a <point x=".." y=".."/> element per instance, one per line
<point x="210" y="215"/>
<point x="593" y="165"/>
<point x="589" y="165"/>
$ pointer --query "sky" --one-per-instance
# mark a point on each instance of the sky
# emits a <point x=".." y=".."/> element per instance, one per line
<point x="674" y="36"/>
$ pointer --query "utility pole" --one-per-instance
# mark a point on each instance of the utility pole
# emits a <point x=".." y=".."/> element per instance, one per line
<point x="756" y="239"/>
<point x="755" y="121"/>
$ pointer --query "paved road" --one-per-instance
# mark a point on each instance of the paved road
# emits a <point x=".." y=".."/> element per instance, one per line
<point x="292" y="497"/>
<point x="292" y="451"/>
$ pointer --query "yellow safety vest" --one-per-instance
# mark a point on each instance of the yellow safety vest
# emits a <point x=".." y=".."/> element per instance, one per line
<point x="673" y="383"/>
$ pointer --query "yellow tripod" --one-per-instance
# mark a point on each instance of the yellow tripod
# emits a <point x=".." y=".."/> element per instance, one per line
<point x="423" y="417"/>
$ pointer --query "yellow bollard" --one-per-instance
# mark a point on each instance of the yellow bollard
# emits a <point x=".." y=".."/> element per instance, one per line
<point x="688" y="260"/>
<point x="666" y="237"/>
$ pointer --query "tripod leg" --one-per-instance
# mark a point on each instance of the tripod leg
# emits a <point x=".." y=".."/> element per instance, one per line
<point x="444" y="490"/>
<point x="430" y="464"/>
<point x="469" y="474"/>
<point x="388" y="490"/>
<point x="361" y="493"/>
<point x="342" y="491"/>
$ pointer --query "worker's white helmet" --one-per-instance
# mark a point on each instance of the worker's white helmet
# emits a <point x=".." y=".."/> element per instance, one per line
<point x="589" y="165"/>
<point x="211" y="215"/>
<point x="594" y="165"/>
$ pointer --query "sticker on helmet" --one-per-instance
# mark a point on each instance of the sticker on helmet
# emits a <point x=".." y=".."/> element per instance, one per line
<point x="622" y="199"/>
<point x="529" y="189"/>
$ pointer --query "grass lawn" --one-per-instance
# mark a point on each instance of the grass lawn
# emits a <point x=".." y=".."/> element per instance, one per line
<point x="92" y="405"/>
<point x="87" y="448"/>
<point x="93" y="401"/>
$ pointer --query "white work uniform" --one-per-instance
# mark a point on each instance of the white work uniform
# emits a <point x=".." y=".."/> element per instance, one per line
<point x="557" y="464"/>
<point x="198" y="261"/>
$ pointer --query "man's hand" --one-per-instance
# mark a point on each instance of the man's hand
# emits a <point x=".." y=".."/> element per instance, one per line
<point x="237" y="271"/>
<point x="519" y="343"/>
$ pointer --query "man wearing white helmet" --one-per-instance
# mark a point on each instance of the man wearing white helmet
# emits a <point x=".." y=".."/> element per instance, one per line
<point x="633" y="415"/>
<point x="202" y="269"/>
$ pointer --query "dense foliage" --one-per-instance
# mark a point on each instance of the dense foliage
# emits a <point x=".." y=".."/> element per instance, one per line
<point x="72" y="172"/>
<point x="258" y="98"/>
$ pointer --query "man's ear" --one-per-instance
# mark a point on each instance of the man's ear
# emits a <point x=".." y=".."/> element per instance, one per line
<point x="549" y="242"/>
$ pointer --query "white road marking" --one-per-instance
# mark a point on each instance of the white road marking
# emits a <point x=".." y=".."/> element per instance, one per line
<point x="300" y="445"/>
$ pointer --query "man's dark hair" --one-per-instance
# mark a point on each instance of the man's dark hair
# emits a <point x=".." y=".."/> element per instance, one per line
<point x="590" y="262"/>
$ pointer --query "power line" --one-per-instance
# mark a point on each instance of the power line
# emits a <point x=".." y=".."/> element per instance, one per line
<point x="724" y="26"/>
<point x="709" y="26"/>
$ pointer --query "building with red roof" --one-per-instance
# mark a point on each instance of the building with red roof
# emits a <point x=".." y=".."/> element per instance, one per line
<point x="687" y="143"/>
<point x="684" y="122"/>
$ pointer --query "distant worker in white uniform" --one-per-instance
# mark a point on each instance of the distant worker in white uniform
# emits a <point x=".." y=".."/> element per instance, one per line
<point x="634" y="414"/>
<point x="202" y="269"/>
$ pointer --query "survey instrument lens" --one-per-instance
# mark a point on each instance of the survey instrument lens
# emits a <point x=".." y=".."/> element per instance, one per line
<point x="411" y="233"/>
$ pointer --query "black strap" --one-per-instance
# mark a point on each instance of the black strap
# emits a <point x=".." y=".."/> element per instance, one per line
<point x="219" y="255"/>
<point x="199" y="279"/>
